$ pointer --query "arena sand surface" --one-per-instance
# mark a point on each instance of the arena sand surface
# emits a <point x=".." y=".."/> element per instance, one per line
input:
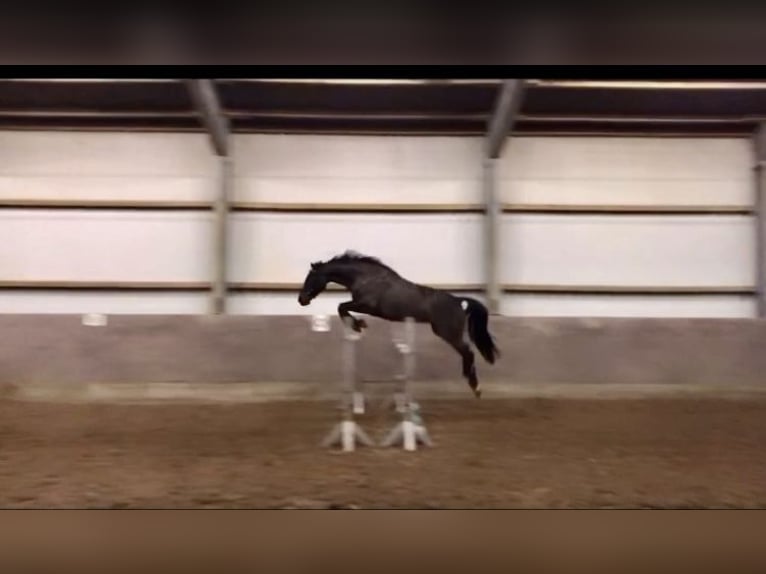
<point x="520" y="453"/>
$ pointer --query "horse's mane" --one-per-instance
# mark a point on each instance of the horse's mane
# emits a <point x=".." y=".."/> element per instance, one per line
<point x="351" y="256"/>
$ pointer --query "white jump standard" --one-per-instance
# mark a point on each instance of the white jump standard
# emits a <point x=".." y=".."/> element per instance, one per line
<point x="348" y="432"/>
<point x="411" y="430"/>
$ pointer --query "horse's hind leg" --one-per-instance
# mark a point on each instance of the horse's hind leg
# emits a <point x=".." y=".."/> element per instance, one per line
<point x="469" y="368"/>
<point x="453" y="335"/>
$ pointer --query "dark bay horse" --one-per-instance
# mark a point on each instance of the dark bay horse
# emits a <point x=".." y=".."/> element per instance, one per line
<point x="378" y="290"/>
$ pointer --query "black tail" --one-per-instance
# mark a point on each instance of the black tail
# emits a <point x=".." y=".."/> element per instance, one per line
<point x="478" y="319"/>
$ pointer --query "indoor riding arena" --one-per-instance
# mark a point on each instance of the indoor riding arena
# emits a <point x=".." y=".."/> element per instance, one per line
<point x="157" y="235"/>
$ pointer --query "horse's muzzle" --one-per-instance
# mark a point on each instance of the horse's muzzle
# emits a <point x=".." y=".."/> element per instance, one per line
<point x="303" y="300"/>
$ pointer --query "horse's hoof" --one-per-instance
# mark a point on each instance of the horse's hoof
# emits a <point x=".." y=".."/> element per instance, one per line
<point x="359" y="326"/>
<point x="477" y="392"/>
<point x="362" y="323"/>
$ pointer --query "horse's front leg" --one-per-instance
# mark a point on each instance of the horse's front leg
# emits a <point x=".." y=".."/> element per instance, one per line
<point x="344" y="313"/>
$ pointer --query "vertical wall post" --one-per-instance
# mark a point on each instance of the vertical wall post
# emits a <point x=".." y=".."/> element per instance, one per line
<point x="492" y="222"/>
<point x="759" y="146"/>
<point x="220" y="255"/>
<point x="498" y="127"/>
<point x="206" y="101"/>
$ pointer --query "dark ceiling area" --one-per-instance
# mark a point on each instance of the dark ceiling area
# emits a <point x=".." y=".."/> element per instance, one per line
<point x="428" y="107"/>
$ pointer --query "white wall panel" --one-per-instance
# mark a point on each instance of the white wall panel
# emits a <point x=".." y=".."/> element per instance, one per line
<point x="105" y="246"/>
<point x="627" y="250"/>
<point x="626" y="192"/>
<point x="100" y="302"/>
<point x="389" y="190"/>
<point x="427" y="249"/>
<point x="527" y="305"/>
<point x="116" y="188"/>
<point x="106" y="165"/>
<point x="284" y="304"/>
<point x="523" y="304"/>
<point x="630" y="171"/>
<point x="357" y="169"/>
<point x="287" y="303"/>
<point x="584" y="250"/>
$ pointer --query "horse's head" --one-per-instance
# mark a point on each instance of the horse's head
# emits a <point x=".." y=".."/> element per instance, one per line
<point x="313" y="285"/>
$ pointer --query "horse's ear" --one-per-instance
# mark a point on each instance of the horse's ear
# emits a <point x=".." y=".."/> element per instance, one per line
<point x="315" y="264"/>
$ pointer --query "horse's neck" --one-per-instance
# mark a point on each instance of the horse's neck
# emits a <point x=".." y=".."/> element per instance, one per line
<point x="343" y="275"/>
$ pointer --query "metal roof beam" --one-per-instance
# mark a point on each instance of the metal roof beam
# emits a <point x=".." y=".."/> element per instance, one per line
<point x="649" y="85"/>
<point x="208" y="105"/>
<point x="505" y="112"/>
<point x="92" y="80"/>
<point x="365" y="81"/>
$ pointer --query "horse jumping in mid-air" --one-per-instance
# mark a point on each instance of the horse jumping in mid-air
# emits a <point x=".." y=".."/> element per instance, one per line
<point x="379" y="291"/>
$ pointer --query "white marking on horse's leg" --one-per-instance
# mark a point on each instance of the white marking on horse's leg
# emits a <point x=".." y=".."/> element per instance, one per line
<point x="464" y="305"/>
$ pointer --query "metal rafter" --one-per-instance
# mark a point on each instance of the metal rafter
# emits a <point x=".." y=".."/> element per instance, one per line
<point x="208" y="105"/>
<point x="505" y="112"/>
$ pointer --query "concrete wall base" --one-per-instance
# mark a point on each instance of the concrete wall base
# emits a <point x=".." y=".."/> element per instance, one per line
<point x="61" y="350"/>
<point x="267" y="392"/>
